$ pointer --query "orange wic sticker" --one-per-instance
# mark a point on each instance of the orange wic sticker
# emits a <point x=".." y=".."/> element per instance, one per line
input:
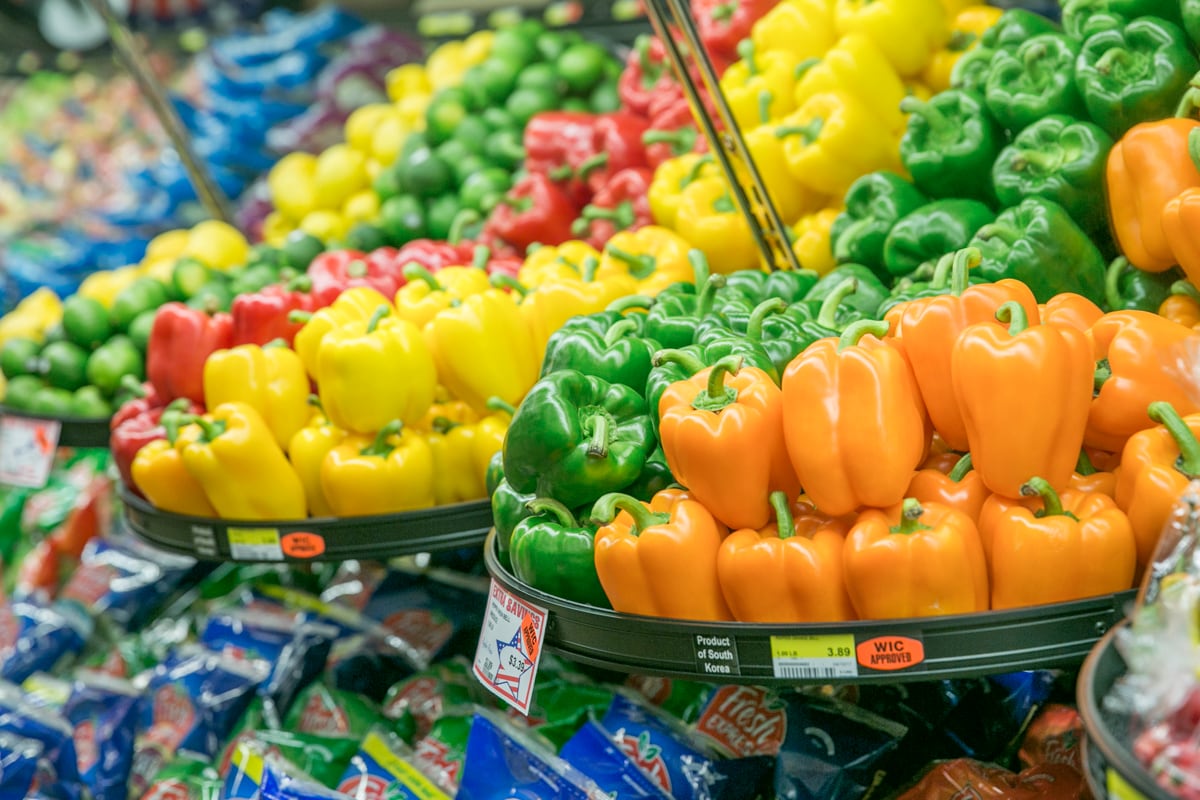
<point x="890" y="653"/>
<point x="302" y="545"/>
<point x="529" y="635"/>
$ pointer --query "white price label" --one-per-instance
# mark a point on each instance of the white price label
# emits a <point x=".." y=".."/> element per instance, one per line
<point x="27" y="448"/>
<point x="510" y="647"/>
<point x="254" y="544"/>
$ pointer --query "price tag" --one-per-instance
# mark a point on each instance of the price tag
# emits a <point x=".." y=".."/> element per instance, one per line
<point x="27" y="450"/>
<point x="254" y="544"/>
<point x="830" y="656"/>
<point x="1119" y="788"/>
<point x="510" y="647"/>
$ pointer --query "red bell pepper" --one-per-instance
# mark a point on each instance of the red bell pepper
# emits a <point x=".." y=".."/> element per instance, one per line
<point x="430" y="254"/>
<point x="672" y="133"/>
<point x="334" y="272"/>
<point x="724" y="23"/>
<point x="618" y="146"/>
<point x="145" y="397"/>
<point x="181" y="341"/>
<point x="263" y="316"/>
<point x="137" y="431"/>
<point x="534" y="210"/>
<point x="621" y="204"/>
<point x="647" y="74"/>
<point x="556" y="144"/>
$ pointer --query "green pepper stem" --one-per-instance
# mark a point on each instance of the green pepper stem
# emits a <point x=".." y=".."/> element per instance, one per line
<point x="588" y="270"/>
<point x="377" y="318"/>
<point x="598" y="444"/>
<point x="1111" y="58"/>
<point x="724" y="204"/>
<point x="1190" y="100"/>
<point x="630" y="302"/>
<point x="676" y="138"/>
<point x="849" y="235"/>
<point x="1084" y="465"/>
<point x="859" y="329"/>
<point x="301" y="283"/>
<point x="606" y="508"/>
<point x="689" y="362"/>
<point x="827" y="314"/>
<point x="275" y="344"/>
<point x="314" y="400"/>
<point x="171" y="422"/>
<point x="548" y="505"/>
<point x="803" y="67"/>
<point x="1112" y="282"/>
<point x="1013" y="314"/>
<point x="480" y="256"/>
<point x="500" y="404"/>
<point x="618" y="331"/>
<point x="518" y="204"/>
<point x="210" y="429"/>
<point x="699" y="263"/>
<point x="179" y="404"/>
<point x="566" y="262"/>
<point x="132" y="386"/>
<point x="1194" y="147"/>
<point x="716" y="394"/>
<point x="724" y="11"/>
<point x="591" y="164"/>
<point x="961" y="468"/>
<point x="640" y="265"/>
<point x="380" y="447"/>
<point x="444" y="424"/>
<point x="785" y="523"/>
<point x="708" y="295"/>
<point x="926" y="111"/>
<point x="1165" y="414"/>
<point x="772" y="305"/>
<point x="299" y="317"/>
<point x="356" y="269"/>
<point x="748" y="53"/>
<point x="693" y="174"/>
<point x="942" y="271"/>
<point x="809" y="132"/>
<point x="1185" y="289"/>
<point x="910" y="517"/>
<point x="561" y="173"/>
<point x="458" y="226"/>
<point x="1100" y="375"/>
<point x="1051" y="503"/>
<point x="765" y="98"/>
<point x="501" y="281"/>
<point x="960" y="273"/>
<point x="621" y="215"/>
<point x="1035" y="158"/>
<point x="415" y="272"/>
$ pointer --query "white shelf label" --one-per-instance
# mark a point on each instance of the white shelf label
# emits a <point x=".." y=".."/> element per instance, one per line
<point x="510" y="647"/>
<point x="27" y="450"/>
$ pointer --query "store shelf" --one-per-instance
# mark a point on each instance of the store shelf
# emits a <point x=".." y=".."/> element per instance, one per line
<point x="853" y="652"/>
<point x="299" y="541"/>
<point x="1108" y="764"/>
<point x="74" y="431"/>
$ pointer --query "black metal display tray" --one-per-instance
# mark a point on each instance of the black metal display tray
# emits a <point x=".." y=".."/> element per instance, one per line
<point x="884" y="651"/>
<point x="307" y="540"/>
<point x="73" y="432"/>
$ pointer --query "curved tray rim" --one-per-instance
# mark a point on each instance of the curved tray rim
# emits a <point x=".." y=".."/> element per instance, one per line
<point x="74" y="431"/>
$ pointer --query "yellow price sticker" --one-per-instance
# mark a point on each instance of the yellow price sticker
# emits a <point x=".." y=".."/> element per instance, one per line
<point x="1119" y="788"/>
<point x="254" y="544"/>
<point x="835" y="645"/>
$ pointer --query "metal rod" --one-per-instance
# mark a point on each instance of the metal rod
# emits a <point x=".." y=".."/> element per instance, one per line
<point x="207" y="190"/>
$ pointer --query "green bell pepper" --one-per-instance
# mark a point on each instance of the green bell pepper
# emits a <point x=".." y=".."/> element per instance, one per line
<point x="1040" y="245"/>
<point x="751" y="351"/>
<point x="1190" y="10"/>
<point x="874" y="203"/>
<point x="52" y="401"/>
<point x="64" y="365"/>
<point x="757" y="285"/>
<point x="20" y="391"/>
<point x="670" y="365"/>
<point x="1034" y="81"/>
<point x="869" y="291"/>
<point x="1014" y="27"/>
<point x="970" y="72"/>
<point x="495" y="472"/>
<point x="89" y="402"/>
<point x="18" y="356"/>
<point x="1127" y="288"/>
<point x="655" y="477"/>
<point x="949" y="276"/>
<point x="1134" y="74"/>
<point x="553" y="552"/>
<point x="143" y="294"/>
<point x="951" y="140"/>
<point x="1082" y="18"/>
<point x="673" y="318"/>
<point x="509" y="507"/>
<point x="1059" y="158"/>
<point x="85" y="320"/>
<point x="575" y="438"/>
<point x="618" y="355"/>
<point x="931" y="231"/>
<point x="113" y="360"/>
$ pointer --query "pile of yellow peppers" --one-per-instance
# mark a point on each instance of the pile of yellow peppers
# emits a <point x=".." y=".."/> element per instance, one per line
<point x="816" y="95"/>
<point x="414" y="393"/>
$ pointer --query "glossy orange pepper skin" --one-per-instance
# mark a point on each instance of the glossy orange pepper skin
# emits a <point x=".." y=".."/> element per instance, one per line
<point x="992" y="513"/>
<point x="1072" y="310"/>
<point x="1024" y="395"/>
<point x="1054" y="557"/>
<point x="1149" y="359"/>
<point x="793" y="577"/>
<point x="897" y="566"/>
<point x="853" y="420"/>
<point x="1148" y="168"/>
<point x="1181" y="309"/>
<point x="730" y="459"/>
<point x="1181" y="224"/>
<point x="942" y="461"/>
<point x="667" y="568"/>
<point x="1156" y="467"/>
<point x="965" y="493"/>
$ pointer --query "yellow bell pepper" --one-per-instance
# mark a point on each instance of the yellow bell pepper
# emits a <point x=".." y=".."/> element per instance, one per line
<point x="483" y="348"/>
<point x="357" y="304"/>
<point x="909" y="32"/>
<point x="547" y="307"/>
<point x="167" y="246"/>
<point x="406" y="80"/>
<point x="801" y="28"/>
<point x="232" y="454"/>
<point x="670" y="179"/>
<point x="370" y="372"/>
<point x="477" y="47"/>
<point x="386" y="475"/>
<point x="710" y="220"/>
<point x="454" y="476"/>
<point x="216" y="244"/>
<point x="159" y="474"/>
<point x="489" y="437"/>
<point x="918" y="90"/>
<point x="856" y="65"/>
<point x="810" y="240"/>
<point x="792" y="199"/>
<point x="446" y="65"/>
<point x="759" y="87"/>
<point x="445" y="409"/>
<point x="833" y="139"/>
<point x="292" y="186"/>
<point x="655" y="257"/>
<point x="952" y="7"/>
<point x="426" y="294"/>
<point x="563" y="262"/>
<point x="105" y="285"/>
<point x="269" y="379"/>
<point x="33" y="316"/>
<point x="307" y="450"/>
<point x="968" y="25"/>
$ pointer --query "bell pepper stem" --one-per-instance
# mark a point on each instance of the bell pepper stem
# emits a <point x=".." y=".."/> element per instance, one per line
<point x="641" y="265"/>
<point x="716" y="394"/>
<point x="1112" y="282"/>
<point x="827" y="314"/>
<point x="1185" y="289"/>
<point x="960" y="271"/>
<point x="1035" y="158"/>
<point x="1189" y="102"/>
<point x="772" y="305"/>
<point x="621" y="214"/>
<point x="480" y="256"/>
<point x="591" y="164"/>
<point x="600" y="425"/>
<point x="623" y="304"/>
<point x="684" y="359"/>
<point x="444" y="424"/>
<point x="501" y="281"/>
<point x="588" y="269"/>
<point x="925" y="110"/>
<point x="1013" y="314"/>
<point x="618" y="331"/>
<point x="275" y="344"/>
<point x="942" y="271"/>
<point x="724" y="204"/>
<point x="699" y="263"/>
<point x="1112" y="58"/>
<point x="693" y="174"/>
<point x="356" y="269"/>
<point x="803" y="67"/>
<point x="301" y="283"/>
<point x="809" y="131"/>
<point x="1100" y="375"/>
<point x="314" y="400"/>
<point x="785" y="523"/>
<point x="377" y="317"/>
<point x="851" y="234"/>
<point x="547" y="505"/>
<point x="708" y="295"/>
<point x="765" y="98"/>
<point x="910" y="517"/>
<point x="1084" y="465"/>
<point x="171" y="421"/>
<point x="500" y="404"/>
<point x="961" y="468"/>
<point x="132" y="386"/>
<point x="561" y="173"/>
<point x="672" y="137"/>
<point x="1051" y="503"/>
<point x="462" y="220"/>
<point x="1165" y="414"/>
<point x="210" y="429"/>
<point x="415" y="272"/>
<point x="518" y="204"/>
<point x="857" y="330"/>
<point x="724" y="11"/>
<point x="299" y="317"/>
<point x="747" y="52"/>
<point x="607" y="507"/>
<point x="380" y="447"/>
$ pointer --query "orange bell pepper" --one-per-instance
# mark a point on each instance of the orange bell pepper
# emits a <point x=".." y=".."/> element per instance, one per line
<point x="961" y="488"/>
<point x="1072" y="310"/>
<point x="1024" y="395"/>
<point x="1140" y="358"/>
<point x="787" y="571"/>
<point x="915" y="560"/>
<point x="722" y="434"/>
<point x="659" y="559"/>
<point x="992" y="514"/>
<point x="1183" y="306"/>
<point x="853" y="421"/>
<point x="1181" y="215"/>
<point x="929" y="328"/>
<point x="1077" y="545"/>
<point x="1149" y="167"/>
<point x="940" y="459"/>
<point x="1091" y="480"/>
<point x="1156" y="467"/>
